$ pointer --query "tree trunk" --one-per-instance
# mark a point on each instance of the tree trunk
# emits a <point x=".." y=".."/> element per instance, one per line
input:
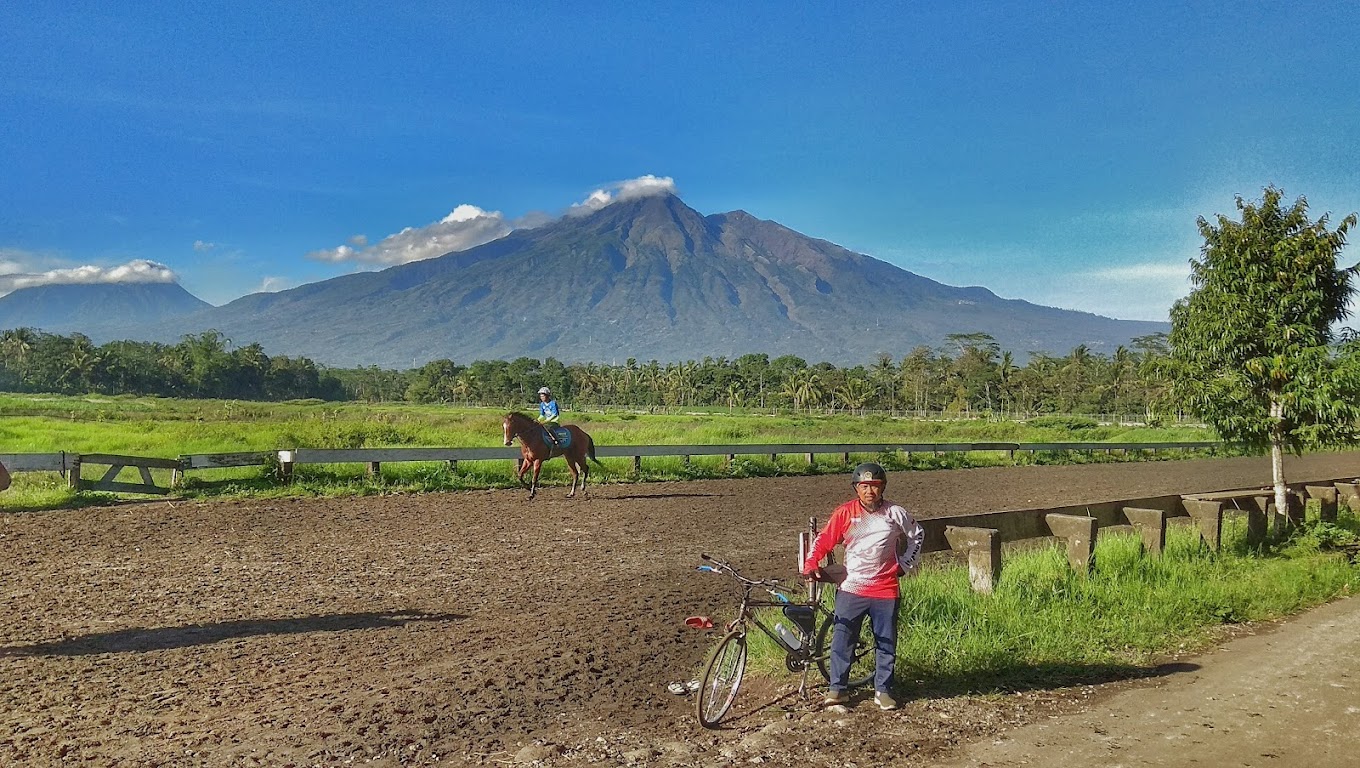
<point x="1277" y="457"/>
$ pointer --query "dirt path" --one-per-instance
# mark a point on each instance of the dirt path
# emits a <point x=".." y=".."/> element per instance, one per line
<point x="1283" y="698"/>
<point x="461" y="628"/>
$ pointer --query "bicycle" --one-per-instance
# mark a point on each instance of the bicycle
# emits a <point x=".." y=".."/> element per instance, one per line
<point x="726" y="665"/>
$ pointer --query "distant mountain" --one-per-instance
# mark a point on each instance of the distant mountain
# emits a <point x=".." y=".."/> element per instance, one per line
<point x="648" y="278"/>
<point x="96" y="308"/>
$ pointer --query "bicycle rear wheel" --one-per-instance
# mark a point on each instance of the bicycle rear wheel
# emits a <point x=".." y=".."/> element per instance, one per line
<point x="721" y="678"/>
<point x="861" y="655"/>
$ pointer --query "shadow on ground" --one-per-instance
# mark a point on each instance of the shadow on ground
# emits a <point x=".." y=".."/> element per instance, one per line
<point x="141" y="639"/>
<point x="1033" y="677"/>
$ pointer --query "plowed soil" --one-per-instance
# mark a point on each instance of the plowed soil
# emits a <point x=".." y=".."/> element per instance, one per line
<point x="465" y="628"/>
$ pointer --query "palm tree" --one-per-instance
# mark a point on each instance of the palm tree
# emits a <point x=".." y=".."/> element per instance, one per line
<point x="805" y="388"/>
<point x="855" y="393"/>
<point x="1005" y="381"/>
<point x="884" y="375"/>
<point x="80" y="364"/>
<point x="736" y="395"/>
<point x="15" y="344"/>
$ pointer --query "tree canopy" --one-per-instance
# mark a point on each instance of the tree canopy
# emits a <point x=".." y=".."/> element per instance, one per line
<point x="1252" y="346"/>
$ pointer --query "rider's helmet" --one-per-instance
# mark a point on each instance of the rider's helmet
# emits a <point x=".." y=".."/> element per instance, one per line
<point x="869" y="473"/>
<point x="545" y="391"/>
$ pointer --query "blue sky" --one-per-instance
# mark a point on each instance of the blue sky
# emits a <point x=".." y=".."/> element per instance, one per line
<point x="1057" y="153"/>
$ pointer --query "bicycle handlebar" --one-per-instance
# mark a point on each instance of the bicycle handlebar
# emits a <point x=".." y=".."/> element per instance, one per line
<point x="769" y="585"/>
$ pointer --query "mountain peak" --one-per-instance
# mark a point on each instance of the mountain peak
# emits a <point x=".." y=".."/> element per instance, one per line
<point x="81" y="307"/>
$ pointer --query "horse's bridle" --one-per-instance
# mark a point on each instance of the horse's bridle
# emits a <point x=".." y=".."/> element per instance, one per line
<point x="509" y="436"/>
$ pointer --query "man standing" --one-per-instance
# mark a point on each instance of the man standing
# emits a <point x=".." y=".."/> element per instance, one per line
<point x="871" y="528"/>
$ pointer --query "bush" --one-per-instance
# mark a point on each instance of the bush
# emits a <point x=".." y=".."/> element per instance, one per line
<point x="1069" y="423"/>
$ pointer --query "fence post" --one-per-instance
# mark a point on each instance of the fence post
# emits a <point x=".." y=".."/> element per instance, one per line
<point x="1347" y="492"/>
<point x="73" y="479"/>
<point x="1080" y="533"/>
<point x="286" y="466"/>
<point x="1258" y="520"/>
<point x="1209" y="516"/>
<point x="1326" y="498"/>
<point x="1151" y="524"/>
<point x="983" y="546"/>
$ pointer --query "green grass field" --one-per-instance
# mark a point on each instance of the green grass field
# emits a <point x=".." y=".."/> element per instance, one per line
<point x="168" y="428"/>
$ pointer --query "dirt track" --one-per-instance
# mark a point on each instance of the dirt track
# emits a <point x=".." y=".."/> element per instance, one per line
<point x="458" y="628"/>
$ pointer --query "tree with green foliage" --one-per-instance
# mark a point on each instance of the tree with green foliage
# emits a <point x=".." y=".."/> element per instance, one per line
<point x="1251" y="346"/>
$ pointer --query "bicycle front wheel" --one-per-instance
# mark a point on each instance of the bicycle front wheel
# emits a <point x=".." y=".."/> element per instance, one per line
<point x="861" y="654"/>
<point x="721" y="678"/>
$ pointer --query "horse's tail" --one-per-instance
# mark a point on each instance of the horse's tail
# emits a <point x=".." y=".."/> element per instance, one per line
<point x="590" y="450"/>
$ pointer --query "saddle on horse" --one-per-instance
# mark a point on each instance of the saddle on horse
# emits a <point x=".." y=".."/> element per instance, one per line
<point x="558" y="437"/>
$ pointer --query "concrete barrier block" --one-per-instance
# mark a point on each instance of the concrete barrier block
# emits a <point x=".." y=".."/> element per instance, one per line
<point x="1208" y="515"/>
<point x="1292" y="517"/>
<point x="1080" y="535"/>
<point x="1326" y="497"/>
<point x="983" y="546"/>
<point x="1151" y="525"/>
<point x="1348" y="493"/>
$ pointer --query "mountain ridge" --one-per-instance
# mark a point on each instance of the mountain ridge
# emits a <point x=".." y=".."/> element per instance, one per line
<point x="648" y="278"/>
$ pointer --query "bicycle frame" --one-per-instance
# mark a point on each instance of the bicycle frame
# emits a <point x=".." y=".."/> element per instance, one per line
<point x="747" y="616"/>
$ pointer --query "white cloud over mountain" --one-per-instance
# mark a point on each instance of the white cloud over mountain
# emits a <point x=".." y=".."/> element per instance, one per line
<point x="632" y="189"/>
<point x="17" y="272"/>
<point x="468" y="226"/>
<point x="465" y="227"/>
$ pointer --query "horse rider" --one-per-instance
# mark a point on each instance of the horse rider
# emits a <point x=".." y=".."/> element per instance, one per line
<point x="548" y="413"/>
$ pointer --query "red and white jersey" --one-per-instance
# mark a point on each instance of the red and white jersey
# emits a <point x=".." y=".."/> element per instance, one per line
<point x="871" y="538"/>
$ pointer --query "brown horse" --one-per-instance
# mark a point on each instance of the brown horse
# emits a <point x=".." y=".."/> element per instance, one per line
<point x="534" y="449"/>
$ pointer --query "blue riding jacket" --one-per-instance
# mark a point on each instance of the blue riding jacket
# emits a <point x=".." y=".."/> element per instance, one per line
<point x="547" y="412"/>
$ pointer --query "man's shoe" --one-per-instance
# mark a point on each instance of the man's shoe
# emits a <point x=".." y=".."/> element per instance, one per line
<point x="836" y="699"/>
<point x="884" y="700"/>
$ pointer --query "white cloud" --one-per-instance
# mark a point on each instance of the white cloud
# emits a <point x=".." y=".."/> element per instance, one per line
<point x="1165" y="275"/>
<point x="203" y="247"/>
<point x="465" y="227"/>
<point x="136" y="271"/>
<point x="274" y="284"/>
<point x="1132" y="292"/>
<point x="642" y="186"/>
<point x="468" y="226"/>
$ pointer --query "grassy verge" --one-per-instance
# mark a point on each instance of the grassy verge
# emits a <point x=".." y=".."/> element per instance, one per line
<point x="1046" y="626"/>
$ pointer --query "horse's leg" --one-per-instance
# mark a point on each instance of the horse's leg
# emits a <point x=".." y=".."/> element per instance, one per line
<point x="571" y="465"/>
<point x="585" y="471"/>
<point x="533" y="488"/>
<point x="523" y="466"/>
